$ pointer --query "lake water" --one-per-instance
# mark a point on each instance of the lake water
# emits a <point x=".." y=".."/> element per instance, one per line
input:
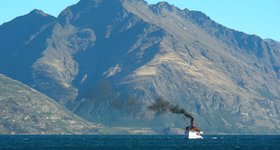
<point x="141" y="142"/>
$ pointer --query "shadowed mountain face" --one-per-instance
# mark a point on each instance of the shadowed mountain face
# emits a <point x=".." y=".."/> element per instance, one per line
<point x="108" y="60"/>
<point x="22" y="42"/>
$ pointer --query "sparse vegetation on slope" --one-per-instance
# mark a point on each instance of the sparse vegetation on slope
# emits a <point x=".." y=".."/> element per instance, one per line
<point x="23" y="110"/>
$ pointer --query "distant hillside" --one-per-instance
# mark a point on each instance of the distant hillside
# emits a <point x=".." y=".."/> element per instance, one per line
<point x="108" y="60"/>
<point x="23" y="110"/>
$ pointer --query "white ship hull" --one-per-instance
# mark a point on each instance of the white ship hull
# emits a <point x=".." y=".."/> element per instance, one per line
<point x="194" y="135"/>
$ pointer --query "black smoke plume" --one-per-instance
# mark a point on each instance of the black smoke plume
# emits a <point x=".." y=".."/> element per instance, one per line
<point x="162" y="106"/>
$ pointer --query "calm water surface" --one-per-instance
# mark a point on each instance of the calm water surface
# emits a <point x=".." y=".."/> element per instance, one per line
<point x="127" y="142"/>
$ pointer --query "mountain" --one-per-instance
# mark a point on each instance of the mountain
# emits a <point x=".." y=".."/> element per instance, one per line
<point x="108" y="60"/>
<point x="27" y="111"/>
<point x="19" y="43"/>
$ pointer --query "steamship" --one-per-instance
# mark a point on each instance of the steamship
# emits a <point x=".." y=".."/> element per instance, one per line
<point x="192" y="132"/>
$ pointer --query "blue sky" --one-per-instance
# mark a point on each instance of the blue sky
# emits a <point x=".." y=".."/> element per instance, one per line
<point x="260" y="17"/>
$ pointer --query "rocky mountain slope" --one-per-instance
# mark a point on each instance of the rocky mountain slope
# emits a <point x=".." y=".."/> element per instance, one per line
<point x="108" y="60"/>
<point x="23" y="110"/>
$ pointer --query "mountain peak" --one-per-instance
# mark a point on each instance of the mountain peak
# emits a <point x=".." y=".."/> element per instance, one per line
<point x="163" y="4"/>
<point x="96" y="2"/>
<point x="39" y="12"/>
<point x="84" y="9"/>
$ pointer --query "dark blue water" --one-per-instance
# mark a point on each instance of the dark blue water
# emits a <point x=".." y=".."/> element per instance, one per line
<point x="127" y="142"/>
